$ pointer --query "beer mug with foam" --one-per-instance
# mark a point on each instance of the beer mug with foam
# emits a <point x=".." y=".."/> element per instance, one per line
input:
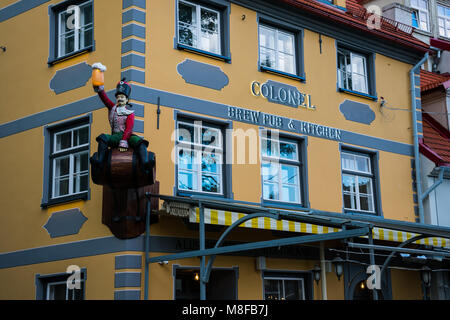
<point x="98" y="78"/>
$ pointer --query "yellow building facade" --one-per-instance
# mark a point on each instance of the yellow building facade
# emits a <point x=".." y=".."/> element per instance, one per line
<point x="289" y="104"/>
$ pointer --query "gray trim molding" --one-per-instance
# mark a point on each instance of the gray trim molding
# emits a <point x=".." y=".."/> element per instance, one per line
<point x="128" y="261"/>
<point x="64" y="223"/>
<point x="71" y="78"/>
<point x="133" y="15"/>
<point x="357" y="112"/>
<point x="202" y="74"/>
<point x="127" y="279"/>
<point x="137" y="3"/>
<point x="19" y="7"/>
<point x="127" y="295"/>
<point x="133" y="45"/>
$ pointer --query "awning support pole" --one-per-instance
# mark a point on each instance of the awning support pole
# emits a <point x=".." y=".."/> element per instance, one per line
<point x="323" y="272"/>
<point x="147" y="247"/>
<point x="372" y="261"/>
<point x="202" y="248"/>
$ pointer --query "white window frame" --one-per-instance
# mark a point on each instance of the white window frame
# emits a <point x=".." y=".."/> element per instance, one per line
<point x="446" y="20"/>
<point x="357" y="174"/>
<point x="76" y="32"/>
<point x="277" y="52"/>
<point x="199" y="149"/>
<point x="282" y="291"/>
<point x="198" y="28"/>
<point x="343" y="80"/>
<point x="70" y="152"/>
<point x="55" y="283"/>
<point x="279" y="161"/>
<point x="420" y="12"/>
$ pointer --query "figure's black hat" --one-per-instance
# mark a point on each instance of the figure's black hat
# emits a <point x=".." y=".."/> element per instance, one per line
<point x="123" y="88"/>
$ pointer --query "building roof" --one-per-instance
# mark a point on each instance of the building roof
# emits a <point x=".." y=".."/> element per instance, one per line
<point x="431" y="80"/>
<point x="436" y="141"/>
<point x="357" y="16"/>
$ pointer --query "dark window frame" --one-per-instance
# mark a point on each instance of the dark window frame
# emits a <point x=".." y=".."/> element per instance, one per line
<point x="370" y="69"/>
<point x="307" y="277"/>
<point x="42" y="281"/>
<point x="298" y="33"/>
<point x="49" y="133"/>
<point x="53" y="12"/>
<point x="224" y="9"/>
<point x="223" y="126"/>
<point x="302" y="143"/>
<point x="375" y="175"/>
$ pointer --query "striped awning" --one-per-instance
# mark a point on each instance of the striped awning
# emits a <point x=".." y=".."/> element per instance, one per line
<point x="226" y="218"/>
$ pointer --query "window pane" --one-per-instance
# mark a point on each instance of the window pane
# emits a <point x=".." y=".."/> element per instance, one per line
<point x="358" y="64"/>
<point x="267" y="58"/>
<point x="270" y="172"/>
<point x="67" y="43"/>
<point x="266" y="37"/>
<point x="363" y="164"/>
<point x="289" y="174"/>
<point x="272" y="289"/>
<point x="187" y="180"/>
<point x="210" y="42"/>
<point x="365" y="185"/>
<point x="187" y="36"/>
<point x="187" y="14"/>
<point x="290" y="194"/>
<point x="209" y="21"/>
<point x="210" y="183"/>
<point x="86" y="14"/>
<point x="56" y="291"/>
<point x="441" y="11"/>
<point x="81" y="136"/>
<point x="349" y="201"/>
<point x="80" y="183"/>
<point x="359" y="83"/>
<point x="286" y="63"/>
<point x="270" y="191"/>
<point x="348" y="161"/>
<point x="270" y="148"/>
<point x="185" y="133"/>
<point x="63" y="141"/>
<point x="186" y="159"/>
<point x="210" y="162"/>
<point x="366" y="203"/>
<point x="61" y="187"/>
<point x="293" y="290"/>
<point x="288" y="150"/>
<point x="81" y="162"/>
<point x="86" y="37"/>
<point x="211" y="137"/>
<point x="415" y="20"/>
<point x="286" y="43"/>
<point x="62" y="166"/>
<point x="348" y="183"/>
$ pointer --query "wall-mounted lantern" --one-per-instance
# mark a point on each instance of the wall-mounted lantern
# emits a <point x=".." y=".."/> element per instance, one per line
<point x="338" y="263"/>
<point x="316" y="272"/>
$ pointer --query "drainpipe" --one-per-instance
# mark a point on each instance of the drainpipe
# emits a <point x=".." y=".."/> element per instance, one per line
<point x="436" y="184"/>
<point x="416" y="137"/>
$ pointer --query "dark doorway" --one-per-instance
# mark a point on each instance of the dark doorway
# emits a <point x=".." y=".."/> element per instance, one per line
<point x="222" y="284"/>
<point x="363" y="293"/>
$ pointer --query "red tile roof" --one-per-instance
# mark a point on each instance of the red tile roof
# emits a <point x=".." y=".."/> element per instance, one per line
<point x="356" y="16"/>
<point x="436" y="141"/>
<point x="430" y="80"/>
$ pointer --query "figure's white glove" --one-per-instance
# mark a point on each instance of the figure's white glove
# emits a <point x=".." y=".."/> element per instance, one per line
<point x="123" y="144"/>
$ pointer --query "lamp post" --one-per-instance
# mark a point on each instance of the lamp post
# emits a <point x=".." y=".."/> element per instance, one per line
<point x="338" y="263"/>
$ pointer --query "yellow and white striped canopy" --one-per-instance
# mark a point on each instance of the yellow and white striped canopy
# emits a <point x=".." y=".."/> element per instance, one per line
<point x="227" y="218"/>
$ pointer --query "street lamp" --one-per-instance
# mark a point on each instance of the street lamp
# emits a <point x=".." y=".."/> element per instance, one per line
<point x="338" y="263"/>
<point x="316" y="272"/>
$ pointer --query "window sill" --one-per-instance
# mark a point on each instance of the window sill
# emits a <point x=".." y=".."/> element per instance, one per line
<point x="204" y="53"/>
<point x="201" y="195"/>
<point x="282" y="74"/>
<point x="358" y="94"/>
<point x="71" y="55"/>
<point x="283" y="205"/>
<point x="362" y="213"/>
<point x="52" y="202"/>
<point x="423" y="32"/>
